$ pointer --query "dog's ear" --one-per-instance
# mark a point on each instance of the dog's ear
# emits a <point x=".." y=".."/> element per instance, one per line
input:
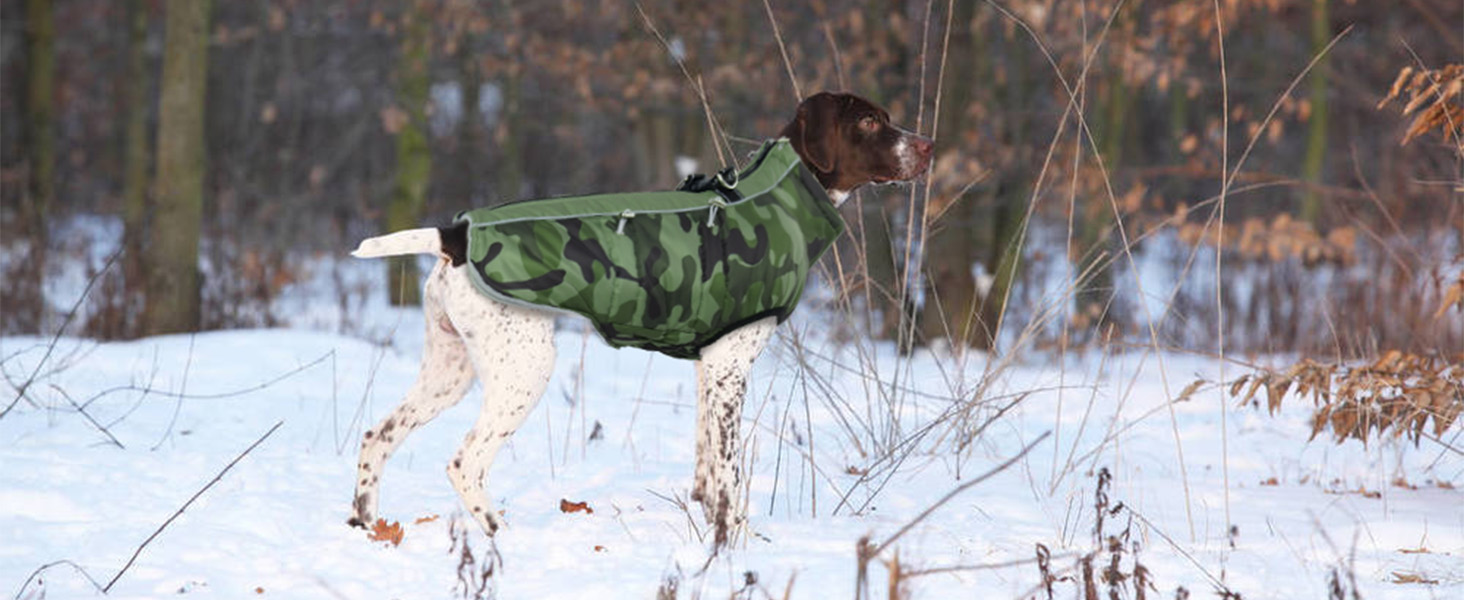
<point x="816" y="124"/>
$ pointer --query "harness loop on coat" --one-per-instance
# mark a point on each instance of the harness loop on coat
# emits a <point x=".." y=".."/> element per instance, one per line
<point x="728" y="173"/>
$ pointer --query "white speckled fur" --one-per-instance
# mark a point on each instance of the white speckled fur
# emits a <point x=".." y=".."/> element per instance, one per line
<point x="721" y="381"/>
<point x="511" y="350"/>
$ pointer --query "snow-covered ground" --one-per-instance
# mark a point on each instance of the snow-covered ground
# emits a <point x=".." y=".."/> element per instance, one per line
<point x="616" y="431"/>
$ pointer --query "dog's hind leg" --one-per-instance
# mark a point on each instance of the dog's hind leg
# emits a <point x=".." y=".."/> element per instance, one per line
<point x="721" y="385"/>
<point x="513" y="351"/>
<point x="444" y="378"/>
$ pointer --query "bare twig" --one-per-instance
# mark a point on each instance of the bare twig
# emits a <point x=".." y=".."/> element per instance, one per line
<point x="778" y="34"/>
<point x="1219" y="585"/>
<point x="214" y="396"/>
<point x="47" y="566"/>
<point x="1219" y="256"/>
<point x="185" y="506"/>
<point x="714" y="127"/>
<point x="182" y="389"/>
<point x="51" y="347"/>
<point x="89" y="419"/>
<point x="956" y="492"/>
<point x="983" y="566"/>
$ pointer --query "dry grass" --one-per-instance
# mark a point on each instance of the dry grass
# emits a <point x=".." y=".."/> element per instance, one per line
<point x="1435" y="100"/>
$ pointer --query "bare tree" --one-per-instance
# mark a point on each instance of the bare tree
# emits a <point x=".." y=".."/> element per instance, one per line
<point x="172" y="254"/>
<point x="414" y="157"/>
<point x="135" y="154"/>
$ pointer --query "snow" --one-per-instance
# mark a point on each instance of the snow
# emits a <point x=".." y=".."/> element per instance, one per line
<point x="183" y="407"/>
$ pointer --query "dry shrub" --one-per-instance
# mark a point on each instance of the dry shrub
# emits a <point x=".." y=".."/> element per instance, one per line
<point x="476" y="571"/>
<point x="1453" y="297"/>
<point x="1112" y="569"/>
<point x="1278" y="239"/>
<point x="1440" y="95"/>
<point x="1397" y="394"/>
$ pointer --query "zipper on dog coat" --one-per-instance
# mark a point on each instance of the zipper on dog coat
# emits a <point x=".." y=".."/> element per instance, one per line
<point x="667" y="271"/>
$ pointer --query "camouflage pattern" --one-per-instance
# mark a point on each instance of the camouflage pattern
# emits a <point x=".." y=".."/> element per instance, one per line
<point x="666" y="271"/>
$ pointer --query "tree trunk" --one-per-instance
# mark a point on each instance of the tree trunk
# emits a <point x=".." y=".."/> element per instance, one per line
<point x="470" y="131"/>
<point x="1096" y="248"/>
<point x="507" y="137"/>
<point x="40" y="122"/>
<point x="952" y="308"/>
<point x="1316" y="139"/>
<point x="135" y="160"/>
<point x="414" y="158"/>
<point x="22" y="299"/>
<point x="172" y="254"/>
<point x="1006" y="224"/>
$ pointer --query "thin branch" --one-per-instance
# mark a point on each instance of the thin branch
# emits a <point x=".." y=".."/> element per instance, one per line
<point x="216" y="396"/>
<point x="778" y="34"/>
<point x="1219" y="585"/>
<point x="179" y="512"/>
<point x="714" y="127"/>
<point x="1219" y="257"/>
<point x="51" y="347"/>
<point x="89" y="419"/>
<point x="956" y="492"/>
<point x="47" y="566"/>
<point x="982" y="567"/>
<point x="182" y="389"/>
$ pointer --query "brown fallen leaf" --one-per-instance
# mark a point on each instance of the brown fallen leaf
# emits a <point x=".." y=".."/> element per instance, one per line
<point x="426" y="519"/>
<point x="599" y="548"/>
<point x="1401" y="577"/>
<point x="381" y="531"/>
<point x="573" y="507"/>
<point x="1270" y="481"/>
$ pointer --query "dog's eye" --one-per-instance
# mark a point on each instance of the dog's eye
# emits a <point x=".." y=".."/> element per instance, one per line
<point x="869" y="124"/>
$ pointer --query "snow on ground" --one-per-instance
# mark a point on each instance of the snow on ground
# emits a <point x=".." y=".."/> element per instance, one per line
<point x="183" y="407"/>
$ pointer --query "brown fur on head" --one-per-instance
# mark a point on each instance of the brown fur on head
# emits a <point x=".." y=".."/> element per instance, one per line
<point x="848" y="141"/>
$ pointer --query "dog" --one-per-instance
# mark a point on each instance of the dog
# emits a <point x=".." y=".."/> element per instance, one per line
<point x="844" y="140"/>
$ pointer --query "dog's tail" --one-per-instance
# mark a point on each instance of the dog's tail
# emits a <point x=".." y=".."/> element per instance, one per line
<point x="427" y="240"/>
<point x="450" y="243"/>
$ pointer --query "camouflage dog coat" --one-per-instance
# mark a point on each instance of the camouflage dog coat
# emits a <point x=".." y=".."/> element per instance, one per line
<point x="666" y="271"/>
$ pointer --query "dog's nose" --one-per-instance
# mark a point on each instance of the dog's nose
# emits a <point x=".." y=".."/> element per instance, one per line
<point x="924" y="146"/>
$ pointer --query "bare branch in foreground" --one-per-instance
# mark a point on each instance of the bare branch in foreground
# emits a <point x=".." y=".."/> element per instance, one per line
<point x="955" y="492"/>
<point x="185" y="506"/>
<point x="47" y="567"/>
<point x="51" y="347"/>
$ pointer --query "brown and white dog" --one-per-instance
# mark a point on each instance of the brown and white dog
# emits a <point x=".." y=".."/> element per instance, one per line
<point x="845" y="140"/>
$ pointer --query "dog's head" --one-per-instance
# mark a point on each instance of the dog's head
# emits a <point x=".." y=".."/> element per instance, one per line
<point x="848" y="141"/>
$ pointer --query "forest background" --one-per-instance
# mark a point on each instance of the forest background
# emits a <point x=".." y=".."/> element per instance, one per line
<point x="1076" y="142"/>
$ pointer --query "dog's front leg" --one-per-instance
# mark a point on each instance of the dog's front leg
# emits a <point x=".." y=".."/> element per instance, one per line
<point x="721" y="385"/>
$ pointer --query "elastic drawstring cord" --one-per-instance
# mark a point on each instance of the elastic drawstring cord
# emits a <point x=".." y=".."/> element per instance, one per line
<point x="716" y="202"/>
<point x="625" y="215"/>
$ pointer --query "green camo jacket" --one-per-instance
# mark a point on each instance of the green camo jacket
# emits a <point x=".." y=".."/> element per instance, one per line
<point x="666" y="271"/>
